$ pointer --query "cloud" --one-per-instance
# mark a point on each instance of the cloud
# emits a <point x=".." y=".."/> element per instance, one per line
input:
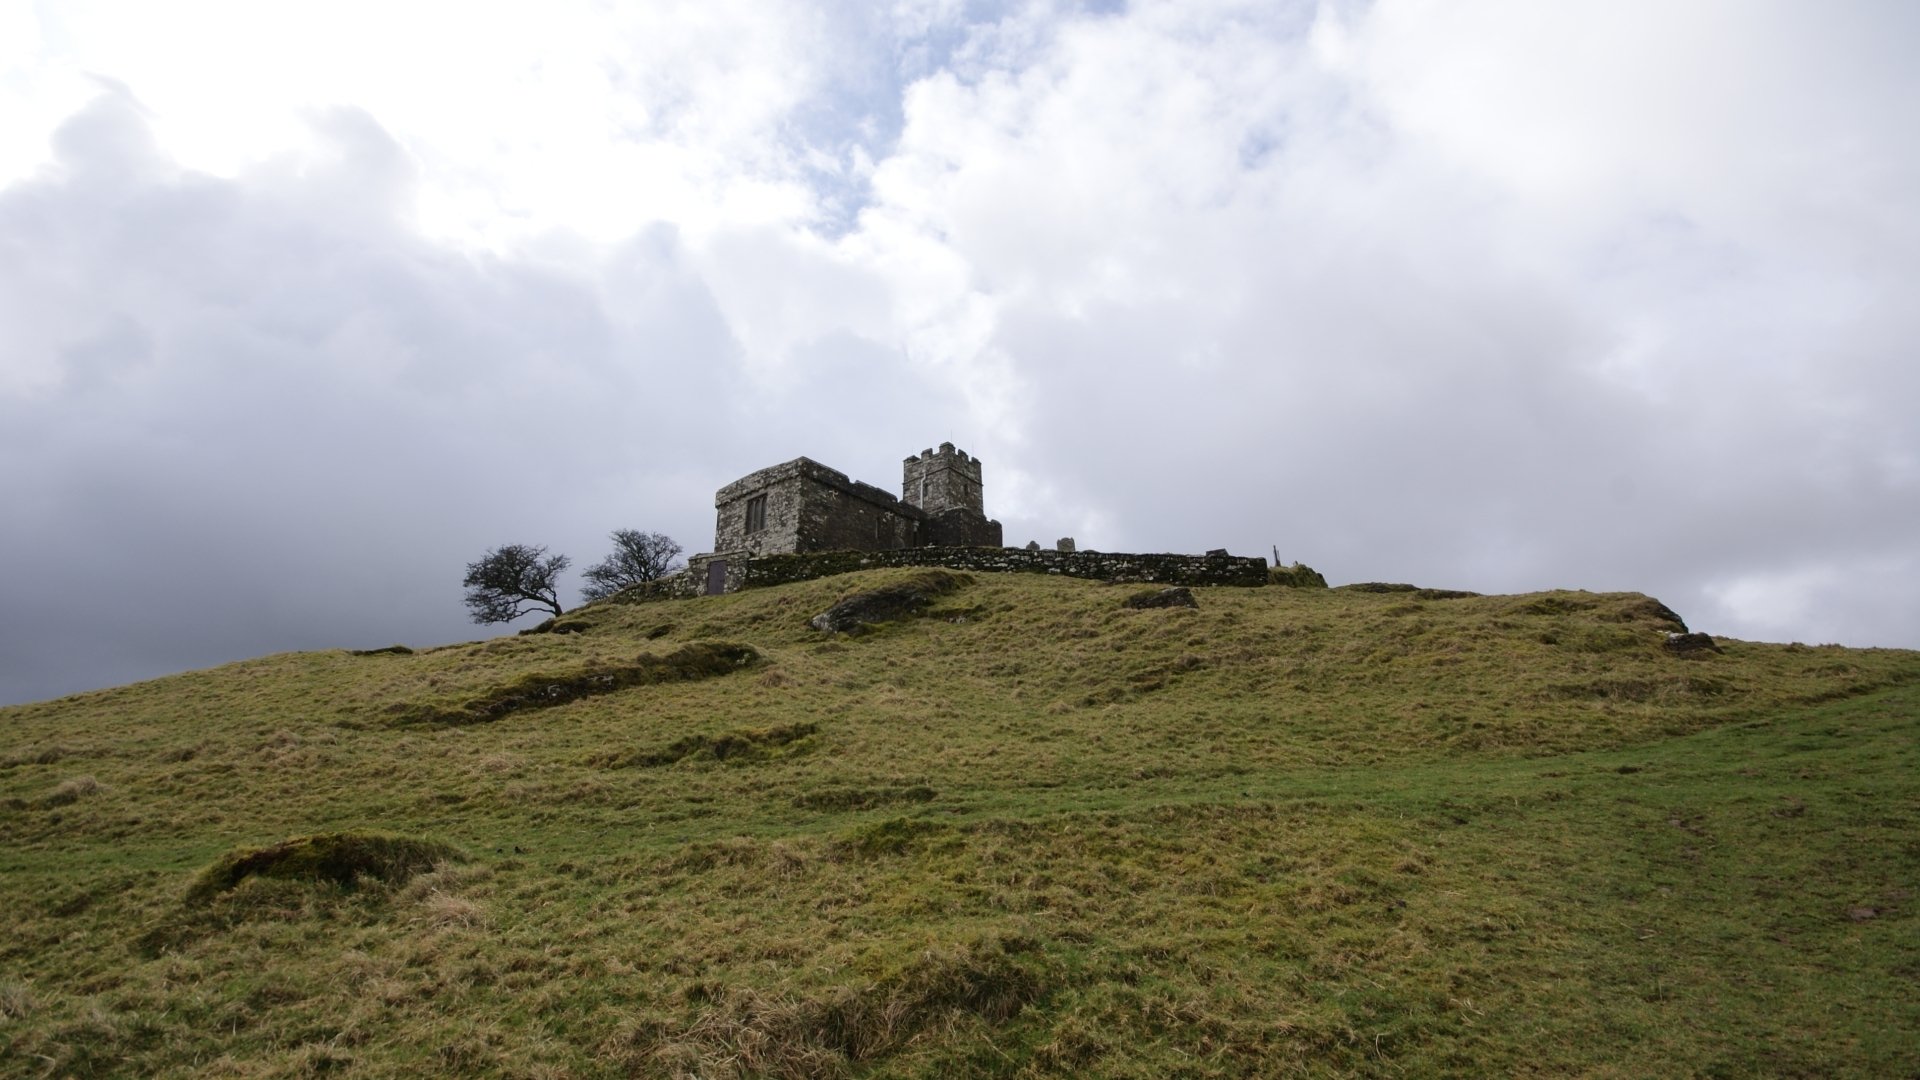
<point x="1323" y="287"/>
<point x="267" y="415"/>
<point x="1482" y="295"/>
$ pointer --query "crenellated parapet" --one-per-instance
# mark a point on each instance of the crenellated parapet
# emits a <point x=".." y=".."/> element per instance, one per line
<point x="946" y="479"/>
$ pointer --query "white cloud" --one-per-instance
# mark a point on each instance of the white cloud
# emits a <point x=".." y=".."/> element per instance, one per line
<point x="580" y="116"/>
<point x="266" y="401"/>
<point x="1542" y="289"/>
<point x="1488" y="295"/>
<point x="1817" y="603"/>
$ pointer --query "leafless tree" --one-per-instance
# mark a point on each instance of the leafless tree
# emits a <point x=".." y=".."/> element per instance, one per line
<point x="512" y="581"/>
<point x="637" y="557"/>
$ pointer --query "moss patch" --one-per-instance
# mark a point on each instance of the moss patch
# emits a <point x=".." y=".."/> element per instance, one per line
<point x="1176" y="596"/>
<point x="896" y="836"/>
<point x="852" y="798"/>
<point x="701" y="660"/>
<point x="71" y="791"/>
<point x="829" y="1032"/>
<point x="745" y="743"/>
<point x="903" y="599"/>
<point x="1297" y="576"/>
<point x="341" y="858"/>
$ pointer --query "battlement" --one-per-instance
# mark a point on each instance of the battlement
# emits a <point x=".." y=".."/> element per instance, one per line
<point x="946" y="450"/>
<point x="947" y="457"/>
<point x="944" y="480"/>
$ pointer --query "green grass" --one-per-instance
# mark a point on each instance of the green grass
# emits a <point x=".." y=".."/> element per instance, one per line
<point x="1029" y="832"/>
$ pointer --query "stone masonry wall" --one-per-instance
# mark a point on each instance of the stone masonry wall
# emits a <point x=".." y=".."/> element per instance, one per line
<point x="862" y="518"/>
<point x="811" y="507"/>
<point x="692" y="580"/>
<point x="957" y="528"/>
<point x="781" y="486"/>
<point x="946" y="480"/>
<point x="744" y="572"/>
<point x="1098" y="565"/>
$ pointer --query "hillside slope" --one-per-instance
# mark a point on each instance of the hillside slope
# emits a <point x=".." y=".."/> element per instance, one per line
<point x="1031" y="832"/>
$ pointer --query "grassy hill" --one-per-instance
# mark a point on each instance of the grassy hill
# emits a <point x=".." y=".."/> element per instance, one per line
<point x="1030" y="833"/>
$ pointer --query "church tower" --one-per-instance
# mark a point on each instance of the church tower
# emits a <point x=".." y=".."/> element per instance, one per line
<point x="947" y="480"/>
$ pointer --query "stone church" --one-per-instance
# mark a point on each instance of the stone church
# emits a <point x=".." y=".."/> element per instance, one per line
<point x="802" y="505"/>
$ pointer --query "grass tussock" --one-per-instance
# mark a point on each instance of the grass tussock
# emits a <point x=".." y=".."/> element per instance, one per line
<point x="540" y="690"/>
<point x="1378" y="587"/>
<point x="34" y="755"/>
<point x="1558" y="604"/>
<point x="1650" y="611"/>
<point x="574" y="622"/>
<point x="1297" y="576"/>
<point x="743" y="744"/>
<point x="836" y="1030"/>
<point x="16" y="1001"/>
<point x="1664" y="688"/>
<point x="340" y="858"/>
<point x="897" y="836"/>
<point x="70" y="791"/>
<point x="863" y="798"/>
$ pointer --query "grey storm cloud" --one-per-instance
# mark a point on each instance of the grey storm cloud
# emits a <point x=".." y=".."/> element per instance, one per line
<point x="278" y="420"/>
<point x="1407" y="301"/>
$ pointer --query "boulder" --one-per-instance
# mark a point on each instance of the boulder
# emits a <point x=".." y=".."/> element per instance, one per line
<point x="1691" y="646"/>
<point x="1177" y="596"/>
<point x="856" y="613"/>
<point x="1297" y="576"/>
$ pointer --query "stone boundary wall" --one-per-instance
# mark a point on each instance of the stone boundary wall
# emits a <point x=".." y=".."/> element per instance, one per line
<point x="1097" y="565"/>
<point x="744" y="572"/>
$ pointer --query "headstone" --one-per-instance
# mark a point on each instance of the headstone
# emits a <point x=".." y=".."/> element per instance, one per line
<point x="1065" y="543"/>
<point x="1033" y="545"/>
<point x="1216" y="551"/>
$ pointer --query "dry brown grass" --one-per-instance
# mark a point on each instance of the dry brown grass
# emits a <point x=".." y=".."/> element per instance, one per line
<point x="70" y="791"/>
<point x="1290" y="832"/>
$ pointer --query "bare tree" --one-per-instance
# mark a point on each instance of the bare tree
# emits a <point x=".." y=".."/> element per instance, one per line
<point x="513" y="581"/>
<point x="637" y="557"/>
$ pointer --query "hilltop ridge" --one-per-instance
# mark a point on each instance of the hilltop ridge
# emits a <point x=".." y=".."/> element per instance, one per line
<point x="1025" y="831"/>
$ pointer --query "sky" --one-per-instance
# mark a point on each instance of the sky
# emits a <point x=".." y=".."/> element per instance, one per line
<point x="305" y="306"/>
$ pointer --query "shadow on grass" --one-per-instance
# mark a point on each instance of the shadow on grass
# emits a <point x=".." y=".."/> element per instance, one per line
<point x="741" y="744"/>
<point x="833" y="1031"/>
<point x="341" y="858"/>
<point x="701" y="660"/>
